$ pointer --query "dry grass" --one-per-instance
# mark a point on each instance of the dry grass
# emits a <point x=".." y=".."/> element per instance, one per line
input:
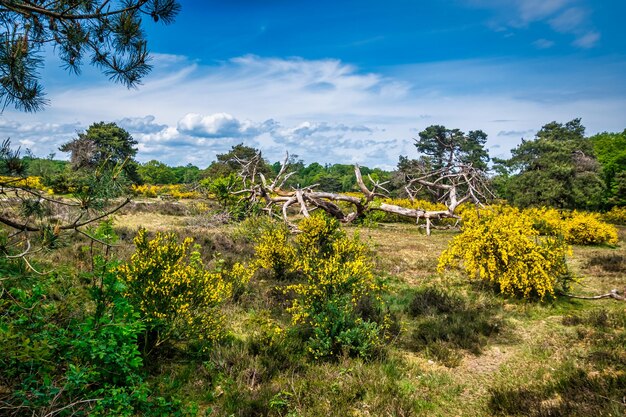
<point x="534" y="363"/>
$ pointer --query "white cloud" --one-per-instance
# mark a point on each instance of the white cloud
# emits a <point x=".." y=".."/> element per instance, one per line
<point x="569" y="20"/>
<point x="141" y="124"/>
<point x="517" y="133"/>
<point x="316" y="129"/>
<point x="40" y="138"/>
<point x="221" y="125"/>
<point x="535" y="10"/>
<point x="543" y="43"/>
<point x="588" y="40"/>
<point x="369" y="118"/>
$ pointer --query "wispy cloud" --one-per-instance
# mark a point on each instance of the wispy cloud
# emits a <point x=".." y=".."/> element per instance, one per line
<point x="517" y="133"/>
<point x="369" y="118"/>
<point x="588" y="40"/>
<point x="536" y="10"/>
<point x="144" y="124"/>
<point x="568" y="20"/>
<point x="569" y="17"/>
<point x="543" y="43"/>
<point x="40" y="138"/>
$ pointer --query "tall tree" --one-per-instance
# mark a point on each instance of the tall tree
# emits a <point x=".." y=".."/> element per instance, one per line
<point x="451" y="164"/>
<point x="230" y="162"/>
<point x="558" y="168"/>
<point x="104" y="145"/>
<point x="446" y="147"/>
<point x="107" y="33"/>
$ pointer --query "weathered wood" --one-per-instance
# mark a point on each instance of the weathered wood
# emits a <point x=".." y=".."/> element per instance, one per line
<point x="613" y="294"/>
<point x="308" y="198"/>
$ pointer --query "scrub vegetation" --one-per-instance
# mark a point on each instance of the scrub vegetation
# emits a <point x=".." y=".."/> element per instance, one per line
<point x="194" y="302"/>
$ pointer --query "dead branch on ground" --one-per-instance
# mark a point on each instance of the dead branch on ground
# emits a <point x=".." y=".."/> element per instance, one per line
<point x="455" y="185"/>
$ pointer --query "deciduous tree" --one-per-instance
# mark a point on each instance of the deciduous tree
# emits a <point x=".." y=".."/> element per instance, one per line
<point x="611" y="151"/>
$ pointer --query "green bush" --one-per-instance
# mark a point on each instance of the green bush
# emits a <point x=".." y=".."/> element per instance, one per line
<point x="77" y="365"/>
<point x="333" y="280"/>
<point x="170" y="287"/>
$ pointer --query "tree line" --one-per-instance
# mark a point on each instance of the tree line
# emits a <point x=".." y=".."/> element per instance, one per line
<point x="560" y="167"/>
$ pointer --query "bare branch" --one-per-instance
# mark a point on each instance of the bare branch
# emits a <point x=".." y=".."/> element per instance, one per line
<point x="612" y="294"/>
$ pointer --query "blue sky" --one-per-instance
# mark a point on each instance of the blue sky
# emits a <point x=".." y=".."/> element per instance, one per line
<point x="349" y="81"/>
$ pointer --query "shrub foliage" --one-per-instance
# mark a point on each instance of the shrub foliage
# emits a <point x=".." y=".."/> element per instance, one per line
<point x="501" y="246"/>
<point x="333" y="282"/>
<point x="576" y="227"/>
<point x="169" y="285"/>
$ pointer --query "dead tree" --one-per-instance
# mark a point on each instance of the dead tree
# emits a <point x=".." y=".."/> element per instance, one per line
<point x="459" y="187"/>
<point x="451" y="185"/>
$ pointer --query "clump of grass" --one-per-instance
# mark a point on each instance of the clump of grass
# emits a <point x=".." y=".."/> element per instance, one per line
<point x="599" y="318"/>
<point x="574" y="392"/>
<point x="592" y="385"/>
<point x="433" y="301"/>
<point x="447" y="323"/>
<point x="608" y="263"/>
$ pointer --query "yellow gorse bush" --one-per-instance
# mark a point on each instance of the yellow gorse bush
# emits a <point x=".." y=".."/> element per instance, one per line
<point x="547" y="221"/>
<point x="344" y="268"/>
<point x="273" y="252"/>
<point x="577" y="228"/>
<point x="582" y="228"/>
<point x="32" y="183"/>
<point x="334" y="275"/>
<point x="617" y="215"/>
<point x="415" y="204"/>
<point x="178" y="191"/>
<point x="500" y="245"/>
<point x="168" y="283"/>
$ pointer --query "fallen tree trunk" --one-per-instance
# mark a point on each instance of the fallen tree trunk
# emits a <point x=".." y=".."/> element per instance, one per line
<point x="417" y="214"/>
<point x="309" y="199"/>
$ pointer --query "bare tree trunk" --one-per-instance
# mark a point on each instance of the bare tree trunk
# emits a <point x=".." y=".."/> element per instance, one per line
<point x="308" y="199"/>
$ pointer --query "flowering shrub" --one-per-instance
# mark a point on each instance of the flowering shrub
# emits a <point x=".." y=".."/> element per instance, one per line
<point x="582" y="228"/>
<point x="577" y="228"/>
<point x="336" y="280"/>
<point x="422" y="205"/>
<point x="617" y="215"/>
<point x="500" y="245"/>
<point x="178" y="191"/>
<point x="171" y="288"/>
<point x="274" y="253"/>
<point x="334" y="265"/>
<point x="547" y="221"/>
<point x="32" y="183"/>
<point x="416" y="204"/>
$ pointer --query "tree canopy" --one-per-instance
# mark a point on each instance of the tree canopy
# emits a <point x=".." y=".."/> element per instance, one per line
<point x="228" y="163"/>
<point x="103" y="145"/>
<point x="558" y="168"/>
<point x="107" y="33"/>
<point x="445" y="147"/>
<point x="449" y="158"/>
<point x="156" y="172"/>
<point x="611" y="151"/>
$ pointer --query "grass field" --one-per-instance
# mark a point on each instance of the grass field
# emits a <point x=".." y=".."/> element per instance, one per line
<point x="461" y="349"/>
